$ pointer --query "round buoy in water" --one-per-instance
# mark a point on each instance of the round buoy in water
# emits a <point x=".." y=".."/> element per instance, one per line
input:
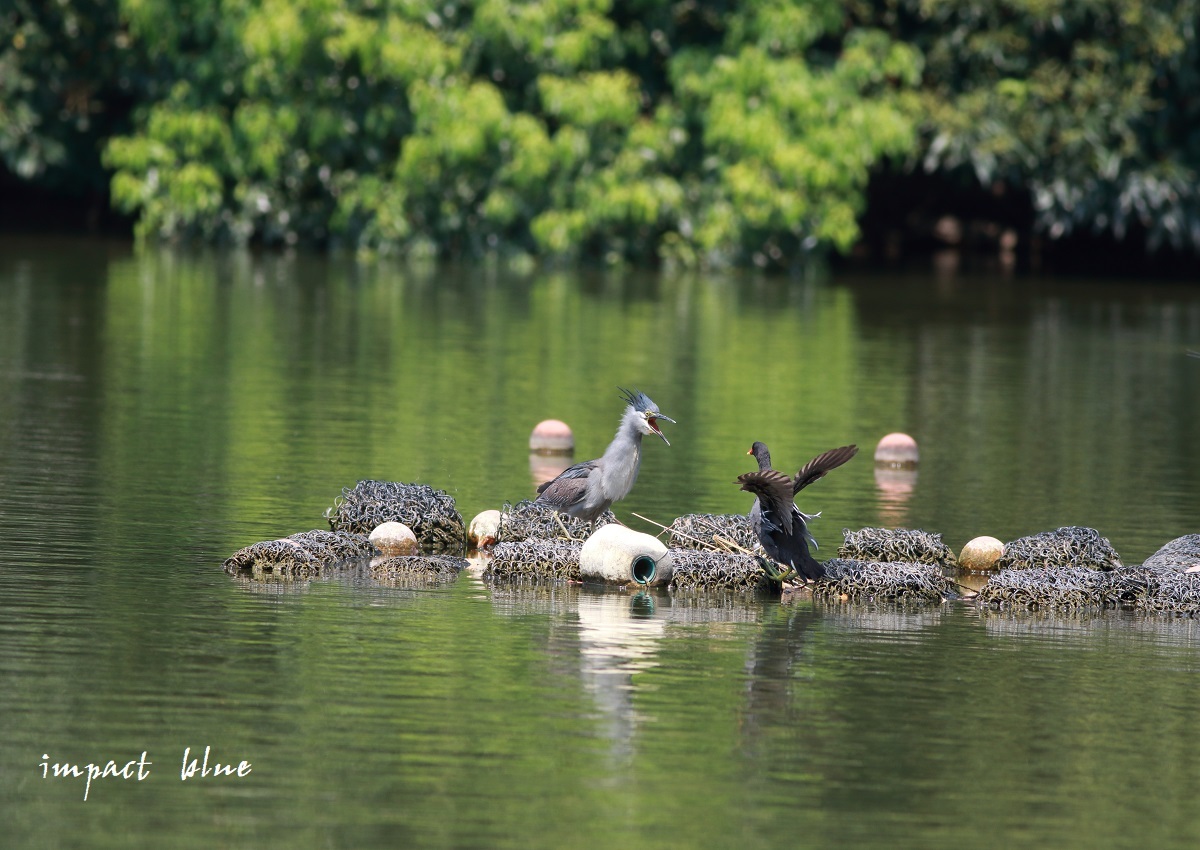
<point x="980" y="554"/>
<point x="552" y="436"/>
<point x="483" y="529"/>
<point x="394" y="538"/>
<point x="897" y="449"/>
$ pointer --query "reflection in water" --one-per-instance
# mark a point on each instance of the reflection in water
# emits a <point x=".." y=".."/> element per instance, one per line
<point x="520" y="599"/>
<point x="972" y="581"/>
<point x="894" y="621"/>
<point x="272" y="592"/>
<point x="778" y="649"/>
<point x="543" y="467"/>
<point x="614" y="636"/>
<point x="139" y="389"/>
<point x="1083" y="626"/>
<point x="619" y="636"/>
<point x="895" y="487"/>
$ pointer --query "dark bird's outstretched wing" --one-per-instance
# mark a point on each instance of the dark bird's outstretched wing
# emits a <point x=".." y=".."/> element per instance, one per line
<point x="821" y="465"/>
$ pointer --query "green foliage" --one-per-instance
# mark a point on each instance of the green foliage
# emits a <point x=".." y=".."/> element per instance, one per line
<point x="790" y="147"/>
<point x="67" y="72"/>
<point x="554" y="127"/>
<point x="696" y="134"/>
<point x="1090" y="106"/>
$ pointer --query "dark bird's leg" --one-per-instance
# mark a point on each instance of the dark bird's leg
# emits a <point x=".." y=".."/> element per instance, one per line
<point x="775" y="571"/>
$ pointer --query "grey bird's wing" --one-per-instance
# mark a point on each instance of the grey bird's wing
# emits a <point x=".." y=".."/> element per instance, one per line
<point x="570" y="485"/>
<point x="821" y="465"/>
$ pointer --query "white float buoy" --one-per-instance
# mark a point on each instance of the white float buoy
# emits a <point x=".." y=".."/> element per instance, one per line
<point x="394" y="538"/>
<point x="552" y="436"/>
<point x="483" y="529"/>
<point x="620" y="555"/>
<point x="980" y="554"/>
<point x="897" y="449"/>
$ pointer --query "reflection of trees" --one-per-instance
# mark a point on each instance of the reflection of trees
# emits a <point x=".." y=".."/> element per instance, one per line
<point x="1036" y="406"/>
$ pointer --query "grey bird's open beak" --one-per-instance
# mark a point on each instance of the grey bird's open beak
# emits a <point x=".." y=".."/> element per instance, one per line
<point x="652" y="420"/>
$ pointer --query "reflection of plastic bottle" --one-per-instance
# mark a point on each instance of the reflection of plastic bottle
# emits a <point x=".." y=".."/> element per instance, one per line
<point x="619" y="633"/>
<point x="642" y="606"/>
<point x="621" y="555"/>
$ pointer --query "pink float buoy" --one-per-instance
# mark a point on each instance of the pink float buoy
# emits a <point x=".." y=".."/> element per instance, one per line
<point x="897" y="450"/>
<point x="552" y="437"/>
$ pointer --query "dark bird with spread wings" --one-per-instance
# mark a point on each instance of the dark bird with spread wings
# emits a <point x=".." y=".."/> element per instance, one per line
<point x="587" y="489"/>
<point x="782" y="528"/>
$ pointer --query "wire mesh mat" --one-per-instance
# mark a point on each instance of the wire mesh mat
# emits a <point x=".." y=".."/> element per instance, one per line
<point x="1180" y="554"/>
<point x="530" y="520"/>
<point x="1078" y="588"/>
<point x="307" y="555"/>
<point x="431" y="514"/>
<point x="712" y="531"/>
<point x="899" y="545"/>
<point x="875" y="581"/>
<point x="698" y="569"/>
<point x="416" y="570"/>
<point x="1070" y="546"/>
<point x="535" y="560"/>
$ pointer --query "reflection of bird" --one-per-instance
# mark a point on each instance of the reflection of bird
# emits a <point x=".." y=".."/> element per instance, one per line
<point x="587" y="489"/>
<point x="782" y="528"/>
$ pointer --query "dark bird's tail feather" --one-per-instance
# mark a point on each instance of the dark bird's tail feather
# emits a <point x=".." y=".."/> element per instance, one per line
<point x="774" y="491"/>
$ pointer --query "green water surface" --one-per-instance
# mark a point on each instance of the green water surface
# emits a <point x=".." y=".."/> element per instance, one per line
<point x="160" y="410"/>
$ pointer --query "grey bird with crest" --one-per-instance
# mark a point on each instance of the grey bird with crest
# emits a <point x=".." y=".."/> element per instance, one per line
<point x="781" y="527"/>
<point x="587" y="489"/>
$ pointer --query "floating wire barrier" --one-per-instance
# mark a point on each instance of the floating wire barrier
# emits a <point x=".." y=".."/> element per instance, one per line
<point x="529" y="520"/>
<point x="1173" y="593"/>
<point x="1055" y="588"/>
<point x="1070" y="546"/>
<point x="697" y="569"/>
<point x="534" y="559"/>
<point x="307" y="555"/>
<point x="558" y="560"/>
<point x="431" y="514"/>
<point x="1179" y="555"/>
<point x="712" y="531"/>
<point x="417" y="570"/>
<point x="875" y="581"/>
<point x="895" y="545"/>
<point x="1077" y="588"/>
